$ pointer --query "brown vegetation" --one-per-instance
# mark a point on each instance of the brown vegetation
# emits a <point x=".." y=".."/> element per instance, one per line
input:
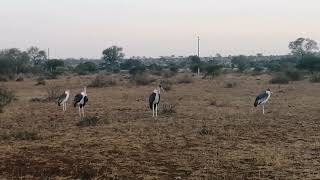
<point x="229" y="139"/>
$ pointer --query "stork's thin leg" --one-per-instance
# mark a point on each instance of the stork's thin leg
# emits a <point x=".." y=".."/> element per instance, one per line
<point x="263" y="109"/>
<point x="82" y="111"/>
<point x="156" y="110"/>
<point x="152" y="110"/>
<point x="79" y="111"/>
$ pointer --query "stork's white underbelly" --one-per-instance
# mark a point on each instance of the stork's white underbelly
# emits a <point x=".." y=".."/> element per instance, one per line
<point x="156" y="99"/>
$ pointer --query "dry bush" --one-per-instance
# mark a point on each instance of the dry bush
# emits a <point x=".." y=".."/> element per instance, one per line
<point x="3" y="79"/>
<point x="279" y="79"/>
<point x="231" y="85"/>
<point x="88" y="121"/>
<point x="294" y="75"/>
<point x="168" y="74"/>
<point x="40" y="81"/>
<point x="54" y="93"/>
<point x="217" y="103"/>
<point x="21" y="135"/>
<point x="103" y="81"/>
<point x="38" y="99"/>
<point x="169" y="108"/>
<point x="142" y="79"/>
<point x="166" y="84"/>
<point x="185" y="79"/>
<point x="315" y="78"/>
<point x="6" y="97"/>
<point x="19" y="79"/>
<point x="205" y="131"/>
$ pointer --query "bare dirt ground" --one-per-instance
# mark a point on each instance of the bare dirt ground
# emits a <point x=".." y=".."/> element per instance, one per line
<point x="216" y="132"/>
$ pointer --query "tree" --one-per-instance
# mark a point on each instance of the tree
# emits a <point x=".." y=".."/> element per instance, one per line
<point x="86" y="68"/>
<point x="36" y="56"/>
<point x="303" y="46"/>
<point x="242" y="62"/>
<point x="112" y="56"/>
<point x="195" y="63"/>
<point x="52" y="64"/>
<point x="17" y="60"/>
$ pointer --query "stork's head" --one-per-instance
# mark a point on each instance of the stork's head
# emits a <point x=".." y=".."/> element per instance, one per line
<point x="67" y="91"/>
<point x="85" y="89"/>
<point x="160" y="88"/>
<point x="269" y="90"/>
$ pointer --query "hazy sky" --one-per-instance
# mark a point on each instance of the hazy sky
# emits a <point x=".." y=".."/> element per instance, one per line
<point x="83" y="28"/>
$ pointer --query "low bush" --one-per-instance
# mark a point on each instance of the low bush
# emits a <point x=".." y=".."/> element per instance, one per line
<point x="166" y="84"/>
<point x="54" y="93"/>
<point x="169" y="108"/>
<point x="279" y="79"/>
<point x="294" y="75"/>
<point x="315" y="78"/>
<point x="185" y="79"/>
<point x="19" y="79"/>
<point x="20" y="135"/>
<point x="88" y="121"/>
<point x="231" y="85"/>
<point x="40" y="81"/>
<point x="103" y="81"/>
<point x="142" y="79"/>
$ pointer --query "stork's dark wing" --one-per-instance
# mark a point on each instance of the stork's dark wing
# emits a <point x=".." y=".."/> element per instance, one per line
<point x="61" y="98"/>
<point x="151" y="99"/>
<point x="85" y="100"/>
<point x="77" y="99"/>
<point x="263" y="96"/>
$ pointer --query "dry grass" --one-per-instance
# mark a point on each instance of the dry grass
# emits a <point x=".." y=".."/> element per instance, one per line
<point x="235" y="142"/>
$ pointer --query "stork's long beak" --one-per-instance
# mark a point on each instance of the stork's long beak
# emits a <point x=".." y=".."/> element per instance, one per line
<point x="162" y="89"/>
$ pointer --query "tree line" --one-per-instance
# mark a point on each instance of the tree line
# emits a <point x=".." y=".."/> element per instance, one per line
<point x="304" y="55"/>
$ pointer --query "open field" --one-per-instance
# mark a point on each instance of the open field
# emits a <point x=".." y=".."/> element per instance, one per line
<point x="216" y="133"/>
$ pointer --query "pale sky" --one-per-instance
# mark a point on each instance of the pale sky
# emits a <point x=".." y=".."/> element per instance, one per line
<point x="83" y="28"/>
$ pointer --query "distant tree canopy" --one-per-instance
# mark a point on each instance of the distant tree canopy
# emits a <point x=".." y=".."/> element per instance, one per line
<point x="242" y="62"/>
<point x="86" y="68"/>
<point x="195" y="63"/>
<point x="51" y="65"/>
<point x="112" y="56"/>
<point x="310" y="62"/>
<point x="130" y="63"/>
<point x="36" y="56"/>
<point x="303" y="46"/>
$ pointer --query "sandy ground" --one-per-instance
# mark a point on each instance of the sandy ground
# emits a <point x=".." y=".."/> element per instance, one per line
<point x="216" y="133"/>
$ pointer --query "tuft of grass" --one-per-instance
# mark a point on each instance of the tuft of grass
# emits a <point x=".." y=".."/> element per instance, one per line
<point x="6" y="97"/>
<point x="103" y="81"/>
<point x="40" y="81"/>
<point x="169" y="108"/>
<point x="88" y="121"/>
<point x="185" y="79"/>
<point x="204" y="130"/>
<point x="21" y="135"/>
<point x="279" y="79"/>
<point x="315" y="78"/>
<point x="231" y="85"/>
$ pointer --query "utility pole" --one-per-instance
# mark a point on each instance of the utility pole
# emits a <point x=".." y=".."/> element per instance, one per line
<point x="199" y="55"/>
<point x="48" y="54"/>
